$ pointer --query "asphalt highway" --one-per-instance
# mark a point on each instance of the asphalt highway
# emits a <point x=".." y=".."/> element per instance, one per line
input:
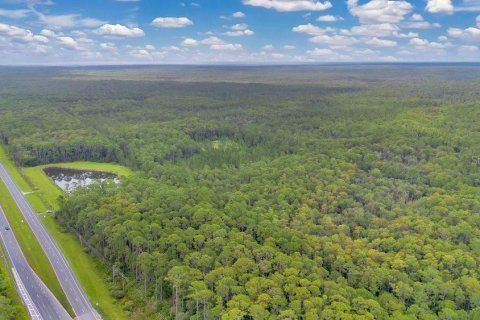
<point x="75" y="294"/>
<point x="40" y="302"/>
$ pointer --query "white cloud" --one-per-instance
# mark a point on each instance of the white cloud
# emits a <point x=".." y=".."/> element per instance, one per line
<point x="109" y="46"/>
<point x="289" y="47"/>
<point x="70" y="43"/>
<point x="416" y="21"/>
<point x="478" y="21"/>
<point x="247" y="32"/>
<point x="90" y="22"/>
<point x="335" y="40"/>
<point x="309" y="29"/>
<point x="290" y="5"/>
<point x="118" y="30"/>
<point x="239" y="26"/>
<point x="227" y="47"/>
<point x="268" y="47"/>
<point x="48" y="33"/>
<point x="405" y="35"/>
<point x="467" y="34"/>
<point x="66" y="20"/>
<point x="14" y="14"/>
<point x="172" y="22"/>
<point x="376" y="42"/>
<point x="238" y="15"/>
<point x="468" y="49"/>
<point x="329" y="18"/>
<point x="439" y="6"/>
<point x="378" y="30"/>
<point x="140" y="54"/>
<point x="317" y="52"/>
<point x="212" y="41"/>
<point x="238" y="30"/>
<point x="235" y="15"/>
<point x="380" y="11"/>
<point x="425" y="44"/>
<point x="20" y="34"/>
<point x="189" y="42"/>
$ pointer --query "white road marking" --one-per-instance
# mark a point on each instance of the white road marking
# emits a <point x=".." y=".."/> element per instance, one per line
<point x="32" y="309"/>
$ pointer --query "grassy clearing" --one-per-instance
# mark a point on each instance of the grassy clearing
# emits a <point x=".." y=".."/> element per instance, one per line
<point x="47" y="193"/>
<point x="88" y="270"/>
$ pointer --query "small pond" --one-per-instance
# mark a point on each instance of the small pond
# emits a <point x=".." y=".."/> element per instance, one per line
<point x="70" y="179"/>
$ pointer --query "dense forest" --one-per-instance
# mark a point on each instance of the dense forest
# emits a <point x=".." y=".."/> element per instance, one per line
<point x="329" y="192"/>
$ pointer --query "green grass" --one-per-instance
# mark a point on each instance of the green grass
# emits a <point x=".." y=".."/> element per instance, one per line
<point x="88" y="270"/>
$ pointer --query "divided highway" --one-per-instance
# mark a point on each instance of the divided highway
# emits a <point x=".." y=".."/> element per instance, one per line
<point x="40" y="302"/>
<point x="75" y="294"/>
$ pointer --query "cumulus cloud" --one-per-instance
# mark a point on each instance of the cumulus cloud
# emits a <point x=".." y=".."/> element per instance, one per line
<point x="318" y="52"/>
<point x="416" y="21"/>
<point x="172" y="22"/>
<point x="468" y="49"/>
<point x="290" y="5"/>
<point x="238" y="30"/>
<point x="20" y="34"/>
<point x="70" y="43"/>
<point x="212" y="41"/>
<point x="108" y="46"/>
<point x="48" y="33"/>
<point x="379" y="30"/>
<point x="235" y="15"/>
<point x="227" y="47"/>
<point x="376" y="42"/>
<point x="329" y="18"/>
<point x="309" y="29"/>
<point x="141" y="54"/>
<point x="467" y="34"/>
<point x="380" y="11"/>
<point x="238" y="15"/>
<point x="439" y="6"/>
<point x="425" y="44"/>
<point x="289" y="47"/>
<point x="334" y="40"/>
<point x="118" y="30"/>
<point x="189" y="42"/>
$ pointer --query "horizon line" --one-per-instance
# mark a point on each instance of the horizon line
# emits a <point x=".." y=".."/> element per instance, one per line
<point x="73" y="65"/>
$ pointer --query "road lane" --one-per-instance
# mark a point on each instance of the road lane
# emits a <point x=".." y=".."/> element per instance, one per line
<point x="75" y="294"/>
<point x="41" y="303"/>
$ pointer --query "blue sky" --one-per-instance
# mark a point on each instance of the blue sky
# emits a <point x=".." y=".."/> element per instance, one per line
<point x="237" y="31"/>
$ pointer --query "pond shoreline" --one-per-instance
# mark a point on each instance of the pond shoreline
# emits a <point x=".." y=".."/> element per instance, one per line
<point x="69" y="179"/>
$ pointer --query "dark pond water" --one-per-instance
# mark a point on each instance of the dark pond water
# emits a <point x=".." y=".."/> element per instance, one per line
<point x="70" y="179"/>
